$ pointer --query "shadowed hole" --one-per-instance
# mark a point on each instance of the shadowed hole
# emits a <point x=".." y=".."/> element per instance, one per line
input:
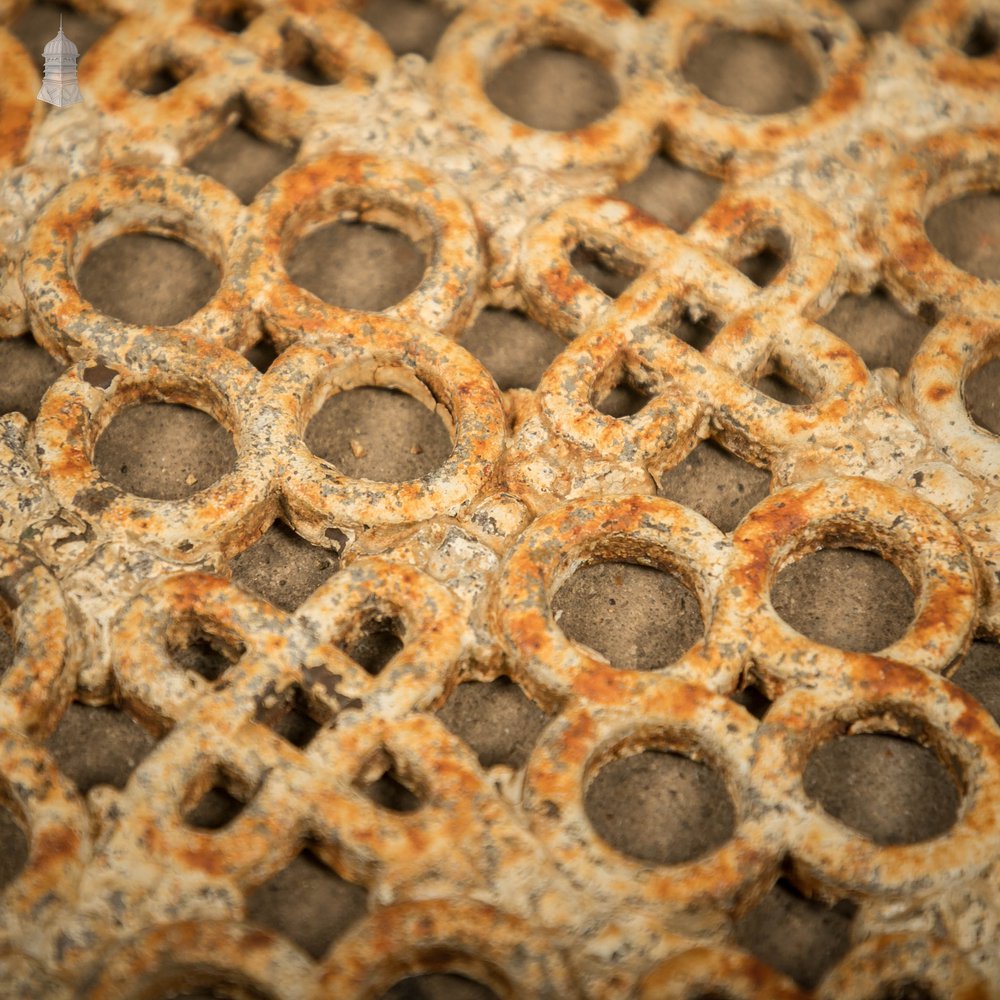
<point x="762" y="267"/>
<point x="979" y="675"/>
<point x="204" y="652"/>
<point x="638" y="617"/>
<point x="716" y="483"/>
<point x="357" y="265"/>
<point x="164" y="451"/>
<point x="14" y="848"/>
<point x="697" y="333"/>
<point x="407" y="25"/>
<point x="983" y="38"/>
<point x="909" y="990"/>
<point x="611" y="274"/>
<point x="624" y="400"/>
<point x="776" y="385"/>
<point x="674" y="194"/>
<point x="262" y="355"/>
<point x="753" y="700"/>
<point x="283" y="568"/>
<point x="660" y="806"/>
<point x="967" y="232"/>
<point x="296" y="717"/>
<point x="384" y="785"/>
<point x="799" y="936"/>
<point x="878" y="15"/>
<point x="303" y="60"/>
<point x="234" y="17"/>
<point x="496" y="719"/>
<point x="982" y="396"/>
<point x="98" y="746"/>
<point x="512" y="347"/>
<point x="242" y="160"/>
<point x="439" y="986"/>
<point x="26" y="372"/>
<point x="888" y="787"/>
<point x="40" y="22"/>
<point x="379" y="641"/>
<point x="155" y="80"/>
<point x="757" y="73"/>
<point x="553" y="89"/>
<point x="220" y="804"/>
<point x="147" y="280"/>
<point x="844" y="597"/>
<point x="641" y="7"/>
<point x="878" y="328"/>
<point x="380" y="434"/>
<point x="308" y="903"/>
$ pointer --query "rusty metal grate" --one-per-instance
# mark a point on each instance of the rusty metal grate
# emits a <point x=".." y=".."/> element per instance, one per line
<point x="303" y="749"/>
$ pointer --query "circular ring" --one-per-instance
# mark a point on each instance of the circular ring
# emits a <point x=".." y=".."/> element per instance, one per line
<point x="168" y="201"/>
<point x="429" y="367"/>
<point x="671" y="715"/>
<point x="876" y="695"/>
<point x="645" y="530"/>
<point x="33" y="906"/>
<point x="942" y="168"/>
<point x="949" y="354"/>
<point x="710" y="136"/>
<point x="354" y="187"/>
<point x="919" y="539"/>
<point x="36" y="688"/>
<point x="475" y="46"/>
<point x="500" y="951"/>
<point x="17" y="98"/>
<point x="938" y="28"/>
<point x="219" y="518"/>
<point x="202" y="954"/>
<point x="877" y="965"/>
<point x="704" y="971"/>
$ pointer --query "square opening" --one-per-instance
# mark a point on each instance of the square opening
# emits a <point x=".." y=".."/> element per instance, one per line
<point x="379" y="640"/>
<point x="213" y="802"/>
<point x="296" y="717"/>
<point x="383" y="782"/>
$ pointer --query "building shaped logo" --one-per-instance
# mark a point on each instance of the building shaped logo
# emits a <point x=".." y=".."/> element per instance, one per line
<point x="59" y="86"/>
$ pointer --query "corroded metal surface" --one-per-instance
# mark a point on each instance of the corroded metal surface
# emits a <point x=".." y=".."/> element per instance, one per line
<point x="499" y="875"/>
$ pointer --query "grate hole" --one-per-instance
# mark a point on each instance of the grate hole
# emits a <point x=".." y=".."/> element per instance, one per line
<point x="553" y="89"/>
<point x="624" y="400"/>
<point x="156" y="80"/>
<point x="612" y="275"/>
<point x="982" y="396"/>
<point x="262" y="355"/>
<point x="753" y="700"/>
<point x="979" y="675"/>
<point x="753" y="72"/>
<point x="776" y="386"/>
<point x="909" y="990"/>
<point x="296" y="717"/>
<point x="379" y="434"/>
<point x="308" y="903"/>
<point x="638" y="617"/>
<point x="697" y="333"/>
<point x="674" y="194"/>
<point x="98" y="746"/>
<point x="716" y="483"/>
<point x="982" y="40"/>
<point x="844" y="597"/>
<point x="407" y="25"/>
<point x="798" y="936"/>
<point x="205" y="653"/>
<point x="164" y="451"/>
<point x="380" y="640"/>
<point x="764" y="266"/>
<point x="496" y="719"/>
<point x="26" y="372"/>
<point x="439" y="986"/>
<point x="357" y="265"/>
<point x="14" y="848"/>
<point x="218" y="806"/>
<point x="124" y="278"/>
<point x="889" y="788"/>
<point x="283" y="568"/>
<point x="227" y="15"/>
<point x="40" y="22"/>
<point x="512" y="347"/>
<point x="878" y="328"/>
<point x="242" y="160"/>
<point x="386" y="787"/>
<point x="303" y="61"/>
<point x="641" y="7"/>
<point x="878" y="15"/>
<point x="661" y="807"/>
<point x="967" y="232"/>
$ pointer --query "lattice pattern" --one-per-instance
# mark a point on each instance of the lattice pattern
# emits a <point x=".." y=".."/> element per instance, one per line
<point x="498" y="875"/>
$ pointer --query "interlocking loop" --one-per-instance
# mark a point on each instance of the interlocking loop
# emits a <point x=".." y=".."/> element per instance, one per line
<point x="164" y="201"/>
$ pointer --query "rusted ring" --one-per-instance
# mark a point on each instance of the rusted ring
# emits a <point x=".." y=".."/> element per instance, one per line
<point x="32" y="907"/>
<point x="202" y="954"/>
<point x="475" y="46"/>
<point x="37" y="686"/>
<point x="943" y="167"/>
<point x="938" y="28"/>
<point x="167" y="201"/>
<point x="876" y="695"/>
<point x="221" y="516"/>
<point x="347" y="187"/>
<point x="426" y="365"/>
<point x="17" y="98"/>
<point x="703" y="971"/>
<point x="949" y="354"/>
<point x="710" y="136"/>
<point x="645" y="530"/>
<point x="673" y="716"/>
<point x="513" y="959"/>
<point x="876" y="966"/>
<point x="920" y="541"/>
